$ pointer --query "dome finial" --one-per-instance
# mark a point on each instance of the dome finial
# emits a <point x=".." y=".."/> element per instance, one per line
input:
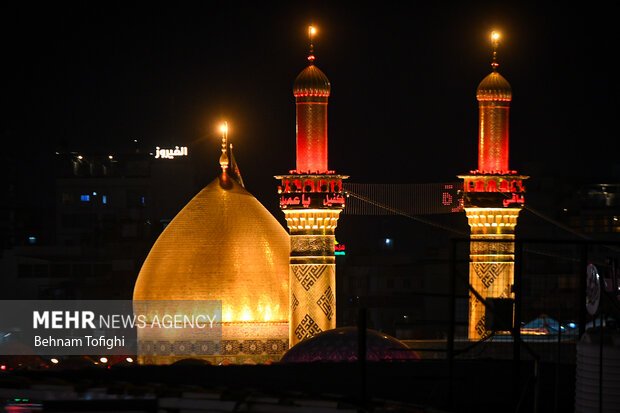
<point x="495" y="41"/>
<point x="224" y="157"/>
<point x="311" y="33"/>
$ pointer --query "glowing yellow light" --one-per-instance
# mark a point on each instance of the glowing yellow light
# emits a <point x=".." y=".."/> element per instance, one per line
<point x="103" y="359"/>
<point x="55" y="361"/>
<point x="224" y="128"/>
<point x="495" y="36"/>
<point x="227" y="315"/>
<point x="129" y="360"/>
<point x="312" y="30"/>
<point x="246" y="314"/>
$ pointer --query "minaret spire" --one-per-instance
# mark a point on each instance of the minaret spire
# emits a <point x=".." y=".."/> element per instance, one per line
<point x="311" y="33"/>
<point x="495" y="41"/>
<point x="224" y="162"/>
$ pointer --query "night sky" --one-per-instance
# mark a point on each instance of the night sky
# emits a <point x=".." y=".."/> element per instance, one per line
<point x="402" y="109"/>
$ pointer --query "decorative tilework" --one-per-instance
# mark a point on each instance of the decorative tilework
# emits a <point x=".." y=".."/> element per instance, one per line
<point x="294" y="303"/>
<point x="307" y="328"/>
<point x="488" y="272"/>
<point x="326" y="303"/>
<point x="307" y="275"/>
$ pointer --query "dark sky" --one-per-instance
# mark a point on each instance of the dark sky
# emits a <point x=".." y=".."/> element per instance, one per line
<point x="402" y="109"/>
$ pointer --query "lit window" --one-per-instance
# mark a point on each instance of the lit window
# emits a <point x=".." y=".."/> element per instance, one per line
<point x="32" y="240"/>
<point x="85" y="198"/>
<point x="143" y="200"/>
<point x="104" y="199"/>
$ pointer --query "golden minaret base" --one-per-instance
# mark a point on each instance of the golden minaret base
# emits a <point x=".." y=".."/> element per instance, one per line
<point x="312" y="276"/>
<point x="491" y="267"/>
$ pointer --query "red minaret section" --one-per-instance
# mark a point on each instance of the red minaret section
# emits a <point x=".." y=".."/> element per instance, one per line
<point x="311" y="90"/>
<point x="493" y="131"/>
<point x="494" y="95"/>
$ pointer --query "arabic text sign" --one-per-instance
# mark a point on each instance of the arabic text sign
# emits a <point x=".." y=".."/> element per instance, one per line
<point x="170" y="153"/>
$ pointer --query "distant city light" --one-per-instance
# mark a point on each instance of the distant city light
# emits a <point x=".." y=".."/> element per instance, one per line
<point x="224" y="128"/>
<point x="104" y="199"/>
<point x="388" y="241"/>
<point x="103" y="359"/>
<point x="3" y="367"/>
<point x="572" y="325"/>
<point x="110" y="157"/>
<point x="32" y="240"/>
<point x="312" y="30"/>
<point x="54" y="361"/>
<point x="85" y="198"/>
<point x="94" y="193"/>
<point x="129" y="360"/>
<point x="495" y="35"/>
<point x="80" y="157"/>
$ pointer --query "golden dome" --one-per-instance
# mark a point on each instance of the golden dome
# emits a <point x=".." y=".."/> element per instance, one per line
<point x="494" y="87"/>
<point x="311" y="82"/>
<point x="223" y="245"/>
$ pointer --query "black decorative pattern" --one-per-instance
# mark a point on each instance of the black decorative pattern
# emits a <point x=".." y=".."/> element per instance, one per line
<point x="307" y="275"/>
<point x="294" y="303"/>
<point x="488" y="273"/>
<point x="480" y="327"/>
<point x="326" y="303"/>
<point x="311" y="245"/>
<point x="307" y="328"/>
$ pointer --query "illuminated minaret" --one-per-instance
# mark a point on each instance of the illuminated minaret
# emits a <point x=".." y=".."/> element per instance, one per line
<point x="492" y="198"/>
<point x="311" y="197"/>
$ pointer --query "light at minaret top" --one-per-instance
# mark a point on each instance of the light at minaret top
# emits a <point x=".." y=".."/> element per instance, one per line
<point x="494" y="95"/>
<point x="311" y="90"/>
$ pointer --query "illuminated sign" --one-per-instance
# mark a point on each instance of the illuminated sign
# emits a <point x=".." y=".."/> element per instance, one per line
<point x="492" y="184"/>
<point x="318" y="191"/>
<point x="321" y="183"/>
<point x="339" y="249"/>
<point x="315" y="200"/>
<point x="170" y="153"/>
<point x="492" y="191"/>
